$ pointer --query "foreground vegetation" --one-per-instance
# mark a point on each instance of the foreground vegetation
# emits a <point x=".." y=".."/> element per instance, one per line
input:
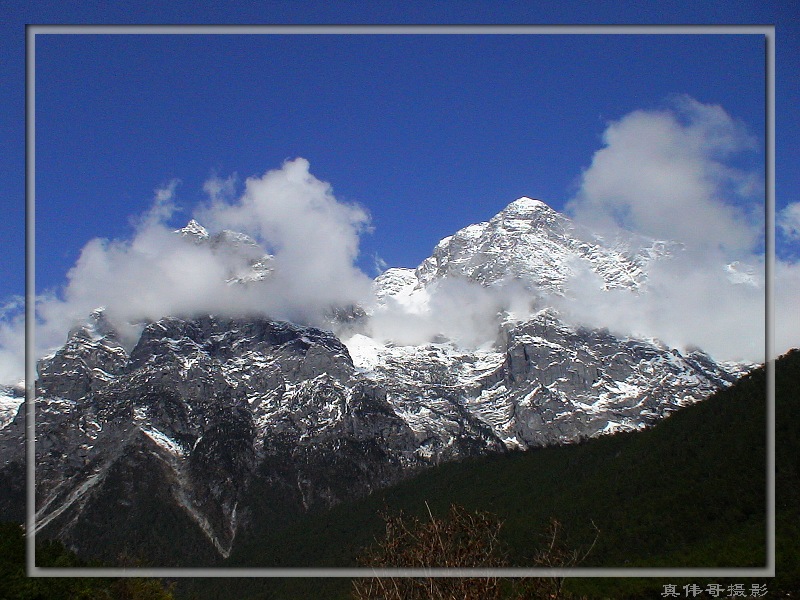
<point x="14" y="585"/>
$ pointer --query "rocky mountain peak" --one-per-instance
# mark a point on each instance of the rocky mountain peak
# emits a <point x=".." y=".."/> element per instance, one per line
<point x="531" y="243"/>
<point x="526" y="207"/>
<point x="247" y="259"/>
<point x="96" y="327"/>
<point x="193" y="229"/>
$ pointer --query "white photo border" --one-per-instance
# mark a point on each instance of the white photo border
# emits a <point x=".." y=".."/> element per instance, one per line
<point x="31" y="31"/>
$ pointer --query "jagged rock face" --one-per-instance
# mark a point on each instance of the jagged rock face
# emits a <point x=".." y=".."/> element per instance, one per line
<point x="561" y="383"/>
<point x="550" y="384"/>
<point x="213" y="399"/>
<point x="92" y="355"/>
<point x="206" y="415"/>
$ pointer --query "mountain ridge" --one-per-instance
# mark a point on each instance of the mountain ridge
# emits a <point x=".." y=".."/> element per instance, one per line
<point x="220" y="402"/>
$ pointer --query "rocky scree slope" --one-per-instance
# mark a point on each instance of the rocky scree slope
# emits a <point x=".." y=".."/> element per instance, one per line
<point x="204" y="408"/>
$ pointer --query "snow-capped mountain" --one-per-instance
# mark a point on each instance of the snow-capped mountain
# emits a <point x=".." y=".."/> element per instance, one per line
<point x="205" y="409"/>
<point x="527" y="253"/>
<point x="247" y="261"/>
<point x="530" y="242"/>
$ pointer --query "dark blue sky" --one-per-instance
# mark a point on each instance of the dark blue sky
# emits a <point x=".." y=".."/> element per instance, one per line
<point x="429" y="133"/>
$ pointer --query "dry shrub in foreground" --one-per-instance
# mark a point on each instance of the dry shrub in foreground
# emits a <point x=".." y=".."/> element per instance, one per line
<point x="461" y="540"/>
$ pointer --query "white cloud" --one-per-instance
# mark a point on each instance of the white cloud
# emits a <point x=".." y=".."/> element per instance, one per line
<point x="459" y="310"/>
<point x="314" y="239"/>
<point x="662" y="173"/>
<point x="686" y="303"/>
<point x="162" y="208"/>
<point x="12" y="340"/>
<point x="379" y="264"/>
<point x="219" y="189"/>
<point x="666" y="174"/>
<point x="788" y="221"/>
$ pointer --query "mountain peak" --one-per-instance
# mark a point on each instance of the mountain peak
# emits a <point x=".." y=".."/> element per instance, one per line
<point x="525" y="205"/>
<point x="533" y="244"/>
<point x="193" y="228"/>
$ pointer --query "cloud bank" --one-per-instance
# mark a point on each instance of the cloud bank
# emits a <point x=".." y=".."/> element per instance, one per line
<point x="459" y="310"/>
<point x="788" y="221"/>
<point x="666" y="174"/>
<point x="311" y="239"/>
<point x="662" y="173"/>
<point x="12" y="341"/>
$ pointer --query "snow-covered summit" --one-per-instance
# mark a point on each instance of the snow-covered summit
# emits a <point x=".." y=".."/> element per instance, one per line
<point x="248" y="262"/>
<point x="530" y="244"/>
<point x="526" y="206"/>
<point x="193" y="229"/>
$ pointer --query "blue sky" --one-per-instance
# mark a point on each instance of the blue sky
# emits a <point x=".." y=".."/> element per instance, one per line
<point x="427" y="133"/>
